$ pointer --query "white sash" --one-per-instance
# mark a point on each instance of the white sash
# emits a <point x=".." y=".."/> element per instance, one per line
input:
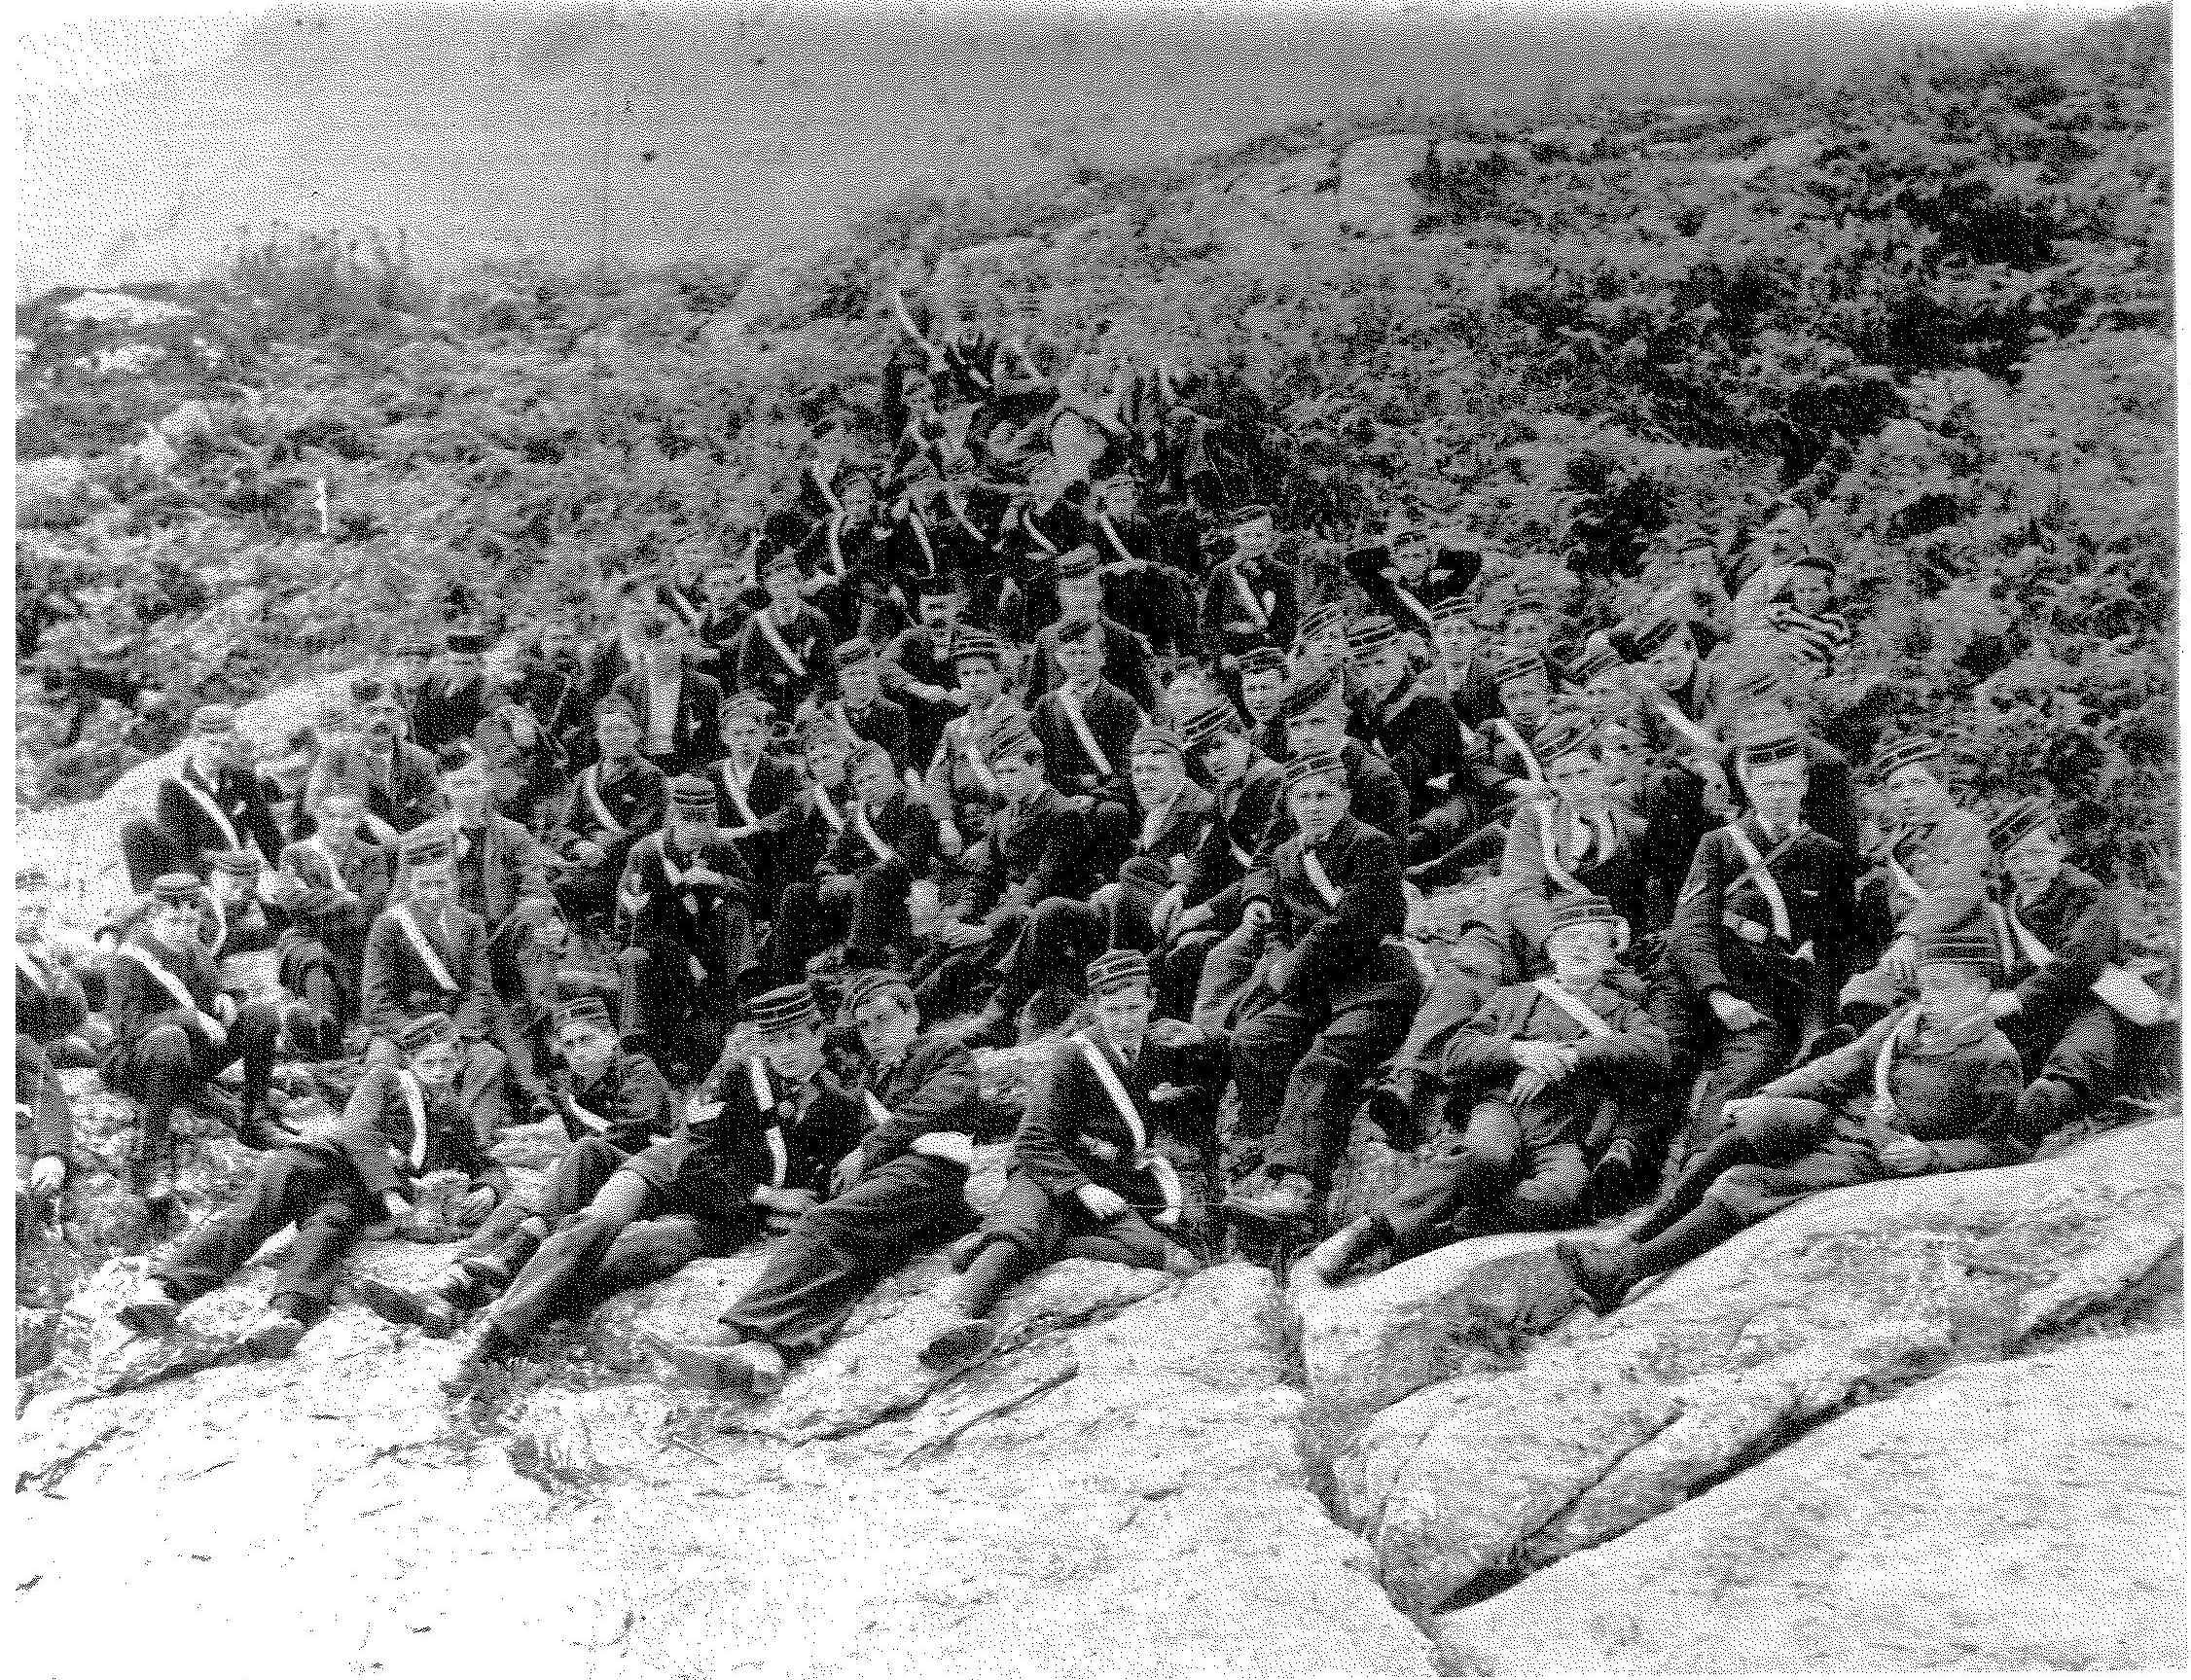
<point x="1068" y="703"/>
<point x="1572" y="1007"/>
<point x="830" y="813"/>
<point x="1314" y="867"/>
<point x="32" y="971"/>
<point x="866" y="831"/>
<point x="1699" y="738"/>
<point x="1548" y="843"/>
<point x="836" y="553"/>
<point x="213" y="809"/>
<point x="736" y="789"/>
<point x="427" y="955"/>
<point x="1883" y="1070"/>
<point x="1519" y="747"/>
<point x="1027" y="524"/>
<point x="161" y="973"/>
<point x="974" y="760"/>
<point x="2034" y="952"/>
<point x="1145" y="1158"/>
<point x="952" y="1146"/>
<point x="1257" y="614"/>
<point x="591" y="785"/>
<point x="920" y="536"/>
<point x="312" y="845"/>
<point x="1904" y="883"/>
<point x="1111" y="536"/>
<point x="1153" y="824"/>
<point x="774" y="638"/>
<point x="757" y="1076"/>
<point x="779" y="1158"/>
<point x="414" y="1100"/>
<point x="1782" y="928"/>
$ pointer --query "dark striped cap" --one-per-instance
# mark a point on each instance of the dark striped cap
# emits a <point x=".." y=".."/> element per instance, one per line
<point x="1582" y="910"/>
<point x="868" y="985"/>
<point x="786" y="1008"/>
<point x="586" y="1009"/>
<point x="421" y="1030"/>
<point x="1305" y="765"/>
<point x="1968" y="949"/>
<point x="1901" y="754"/>
<point x="2026" y="816"/>
<point x="1118" y="971"/>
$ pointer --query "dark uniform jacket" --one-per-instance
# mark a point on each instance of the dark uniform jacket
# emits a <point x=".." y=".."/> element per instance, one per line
<point x="1113" y="719"/>
<point x="1228" y="629"/>
<point x="186" y="808"/>
<point x="1074" y="1132"/>
<point x="1955" y="1089"/>
<point x="1725" y="937"/>
<point x="675" y="904"/>
<point x="1610" y="860"/>
<point x="49" y="1001"/>
<point x="816" y="821"/>
<point x="905" y="827"/>
<point x="393" y="1145"/>
<point x="399" y="980"/>
<point x="748" y="1131"/>
<point x="498" y="864"/>
<point x="440" y="714"/>
<point x="403" y="793"/>
<point x="1829" y="802"/>
<point x="1331" y="945"/>
<point x="138" y="1001"/>
<point x="1416" y="732"/>
<point x="883" y="722"/>
<point x="630" y="1104"/>
<point x="1128" y="665"/>
<point x="935" y="1088"/>
<point x="1471" y="693"/>
<point x="759" y="669"/>
<point x="1036" y="851"/>
<point x="1623" y="1061"/>
<point x="695" y="731"/>
<point x="2077" y="920"/>
<point x="634" y="795"/>
<point x="365" y="872"/>
<point x="1242" y="818"/>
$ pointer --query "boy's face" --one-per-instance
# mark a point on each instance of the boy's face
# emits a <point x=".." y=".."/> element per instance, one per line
<point x="782" y="586"/>
<point x="886" y="1026"/>
<point x="1157" y="775"/>
<point x="1080" y="658"/>
<point x="1319" y="730"/>
<point x="1809" y="589"/>
<point x="1017" y="778"/>
<point x="1525" y="700"/>
<point x="1581" y="954"/>
<point x="410" y="669"/>
<point x="1259" y="692"/>
<point x="431" y="886"/>
<point x="1949" y="991"/>
<point x="1457" y="640"/>
<point x="616" y="736"/>
<point x="1224" y="757"/>
<point x="1327" y="647"/>
<point x="939" y="612"/>
<point x="462" y="668"/>
<point x="234" y="889"/>
<point x="1915" y="793"/>
<point x="213" y="753"/>
<point x="435" y="1064"/>
<point x="466" y="790"/>
<point x="1122" y="499"/>
<point x="856" y="496"/>
<point x="795" y="1052"/>
<point x="1252" y="539"/>
<point x="1578" y="778"/>
<point x="689" y="829"/>
<point x="743" y="734"/>
<point x="1384" y="670"/>
<point x="586" y="1047"/>
<point x="825" y="762"/>
<point x="1526" y="631"/>
<point x="1317" y="802"/>
<point x="383" y="719"/>
<point x="859" y="683"/>
<point x="1776" y="790"/>
<point x="1125" y="1015"/>
<point x="2033" y="861"/>
<point x="980" y="680"/>
<point x="176" y="925"/>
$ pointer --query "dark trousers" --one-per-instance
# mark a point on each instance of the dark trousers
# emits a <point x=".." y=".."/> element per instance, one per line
<point x="947" y="983"/>
<point x="44" y="1119"/>
<point x="1524" y="1167"/>
<point x="820" y="1268"/>
<point x="331" y="980"/>
<point x="1299" y="1064"/>
<point x="1733" y="1065"/>
<point x="599" y="1247"/>
<point x="309" y="1183"/>
<point x="2083" y="1051"/>
<point x="683" y="1016"/>
<point x="1044" y="1228"/>
<point x="867" y="917"/>
<point x="171" y="1062"/>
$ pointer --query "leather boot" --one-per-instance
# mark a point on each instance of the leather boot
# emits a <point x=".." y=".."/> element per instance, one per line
<point x="428" y="1308"/>
<point x="490" y="1273"/>
<point x="2043" y="1106"/>
<point x="969" y="1334"/>
<point x="1601" y="1275"/>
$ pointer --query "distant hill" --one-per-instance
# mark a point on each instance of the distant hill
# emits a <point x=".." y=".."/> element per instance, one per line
<point x="736" y="133"/>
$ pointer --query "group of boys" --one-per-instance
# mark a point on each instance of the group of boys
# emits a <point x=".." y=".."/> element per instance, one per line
<point x="910" y="759"/>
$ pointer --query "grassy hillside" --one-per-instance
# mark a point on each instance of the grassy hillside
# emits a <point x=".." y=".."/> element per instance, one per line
<point x="1930" y="296"/>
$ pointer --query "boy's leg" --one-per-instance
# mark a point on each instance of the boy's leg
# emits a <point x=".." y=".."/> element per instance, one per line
<point x="285" y="1184"/>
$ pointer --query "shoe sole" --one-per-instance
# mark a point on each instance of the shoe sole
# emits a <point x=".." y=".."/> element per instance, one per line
<point x="1263" y="1218"/>
<point x="707" y="1369"/>
<point x="401" y="1307"/>
<point x="961" y="1344"/>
